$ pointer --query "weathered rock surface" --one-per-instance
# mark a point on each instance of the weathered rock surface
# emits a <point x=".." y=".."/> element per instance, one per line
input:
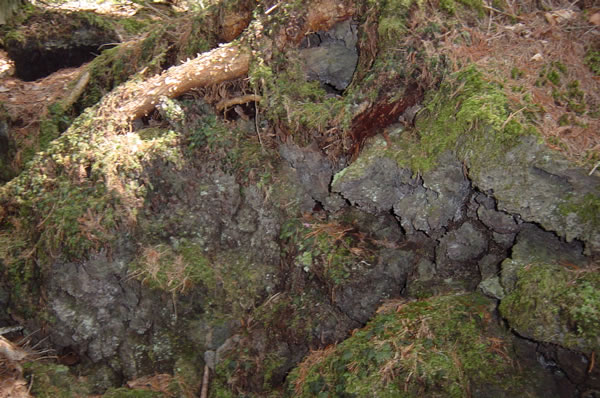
<point x="375" y="183"/>
<point x="543" y="188"/>
<point x="312" y="168"/>
<point x="462" y="244"/>
<point x="331" y="57"/>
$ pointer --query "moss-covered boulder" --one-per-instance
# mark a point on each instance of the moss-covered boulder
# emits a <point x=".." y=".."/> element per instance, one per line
<point x="446" y="346"/>
<point x="552" y="292"/>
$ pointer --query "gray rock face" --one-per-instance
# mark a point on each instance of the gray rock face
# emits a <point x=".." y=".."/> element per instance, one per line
<point x="542" y="187"/>
<point x="331" y="63"/>
<point x="106" y="315"/>
<point x="313" y="169"/>
<point x="462" y="244"/>
<point x="377" y="188"/>
<point x="360" y="299"/>
<point x="332" y="56"/>
<point x="439" y="200"/>
<point x="95" y="306"/>
<point x="497" y="221"/>
<point x="375" y="183"/>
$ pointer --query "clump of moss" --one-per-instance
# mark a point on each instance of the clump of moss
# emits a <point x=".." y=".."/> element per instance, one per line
<point x="468" y="115"/>
<point x="442" y="346"/>
<point x="291" y="98"/>
<point x="394" y="15"/>
<point x="586" y="207"/>
<point x="173" y="269"/>
<point x="49" y="380"/>
<point x="451" y="6"/>
<point x="327" y="251"/>
<point x="592" y="60"/>
<point x="235" y="147"/>
<point x="554" y="304"/>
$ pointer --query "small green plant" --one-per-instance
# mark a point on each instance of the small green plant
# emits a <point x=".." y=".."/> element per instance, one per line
<point x="592" y="60"/>
<point x="516" y="73"/>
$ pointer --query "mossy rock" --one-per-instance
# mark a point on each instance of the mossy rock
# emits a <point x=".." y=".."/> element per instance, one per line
<point x="51" y="380"/>
<point x="553" y="303"/>
<point x="445" y="346"/>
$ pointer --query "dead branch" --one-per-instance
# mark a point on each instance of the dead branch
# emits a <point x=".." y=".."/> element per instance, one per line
<point x="227" y="62"/>
<point x="244" y="99"/>
<point x="205" y="380"/>
<point x="77" y="90"/>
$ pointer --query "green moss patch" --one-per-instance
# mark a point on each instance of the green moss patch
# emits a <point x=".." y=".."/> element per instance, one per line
<point x="440" y="347"/>
<point x="469" y="115"/>
<point x="592" y="60"/>
<point x="555" y="304"/>
<point x="331" y="252"/>
<point x="173" y="270"/>
<point x="49" y="380"/>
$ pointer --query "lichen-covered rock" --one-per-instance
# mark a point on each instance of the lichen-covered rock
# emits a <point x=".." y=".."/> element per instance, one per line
<point x="447" y="190"/>
<point x="376" y="183"/>
<point x="543" y="188"/>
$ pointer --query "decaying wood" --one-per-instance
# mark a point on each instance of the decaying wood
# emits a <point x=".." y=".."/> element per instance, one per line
<point x="221" y="64"/>
<point x="227" y="62"/>
<point x="77" y="90"/>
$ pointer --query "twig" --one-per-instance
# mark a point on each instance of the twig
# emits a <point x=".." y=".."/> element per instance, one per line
<point x="256" y="122"/>
<point x="10" y="329"/>
<point x="77" y="90"/>
<point x="503" y="13"/>
<point x="490" y="22"/>
<point x="270" y="10"/>
<point x="204" y="393"/>
<point x="594" y="169"/>
<point x="511" y="116"/>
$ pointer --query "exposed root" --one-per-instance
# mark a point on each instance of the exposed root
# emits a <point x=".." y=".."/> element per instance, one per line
<point x="12" y="383"/>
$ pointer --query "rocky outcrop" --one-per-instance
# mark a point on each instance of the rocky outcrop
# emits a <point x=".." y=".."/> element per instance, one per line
<point x="375" y="183"/>
<point x="543" y="188"/>
<point x="547" y="285"/>
<point x="331" y="57"/>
